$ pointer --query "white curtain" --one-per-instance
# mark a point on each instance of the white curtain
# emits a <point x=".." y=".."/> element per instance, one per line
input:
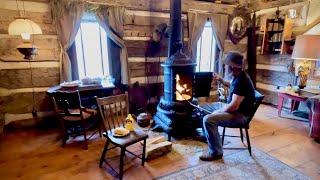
<point x="112" y="20"/>
<point x="67" y="27"/>
<point x="197" y="22"/>
<point x="220" y="27"/>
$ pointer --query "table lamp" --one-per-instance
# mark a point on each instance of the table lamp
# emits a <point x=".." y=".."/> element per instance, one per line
<point x="306" y="49"/>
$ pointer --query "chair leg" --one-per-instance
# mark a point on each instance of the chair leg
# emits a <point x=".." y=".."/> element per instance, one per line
<point x="123" y="150"/>
<point x="248" y="141"/>
<point x="64" y="133"/>
<point x="169" y="137"/>
<point x="103" y="155"/>
<point x="241" y="135"/>
<point x="99" y="125"/>
<point x="223" y="133"/>
<point x="144" y="151"/>
<point x="85" y="136"/>
<point x="64" y="138"/>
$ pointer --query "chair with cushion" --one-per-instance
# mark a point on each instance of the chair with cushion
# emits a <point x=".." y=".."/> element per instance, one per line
<point x="113" y="110"/>
<point x="258" y="100"/>
<point x="74" y="118"/>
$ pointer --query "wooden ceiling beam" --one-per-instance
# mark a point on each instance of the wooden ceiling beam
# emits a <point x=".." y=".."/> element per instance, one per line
<point x="42" y="1"/>
<point x="256" y="5"/>
<point x="164" y="5"/>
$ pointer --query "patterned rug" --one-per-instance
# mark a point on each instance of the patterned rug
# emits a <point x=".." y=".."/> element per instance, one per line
<point x="239" y="166"/>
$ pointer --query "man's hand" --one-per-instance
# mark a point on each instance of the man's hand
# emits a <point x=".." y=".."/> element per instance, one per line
<point x="218" y="78"/>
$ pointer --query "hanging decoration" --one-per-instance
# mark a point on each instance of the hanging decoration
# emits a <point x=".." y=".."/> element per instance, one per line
<point x="238" y="23"/>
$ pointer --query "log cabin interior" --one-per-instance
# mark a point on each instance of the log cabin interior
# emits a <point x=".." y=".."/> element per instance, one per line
<point x="124" y="89"/>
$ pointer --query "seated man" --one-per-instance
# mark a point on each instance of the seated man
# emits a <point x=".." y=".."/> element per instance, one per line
<point x="240" y="105"/>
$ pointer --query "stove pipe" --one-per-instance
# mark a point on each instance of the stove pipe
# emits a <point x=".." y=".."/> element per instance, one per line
<point x="175" y="41"/>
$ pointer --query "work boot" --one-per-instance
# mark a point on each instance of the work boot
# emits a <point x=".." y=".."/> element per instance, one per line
<point x="206" y="156"/>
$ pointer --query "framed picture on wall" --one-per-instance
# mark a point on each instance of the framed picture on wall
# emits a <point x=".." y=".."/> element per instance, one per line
<point x="315" y="70"/>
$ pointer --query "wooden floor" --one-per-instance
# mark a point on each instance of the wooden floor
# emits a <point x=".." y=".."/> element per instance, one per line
<point x="37" y="154"/>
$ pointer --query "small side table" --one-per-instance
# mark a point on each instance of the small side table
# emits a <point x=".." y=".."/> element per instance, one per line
<point x="295" y="100"/>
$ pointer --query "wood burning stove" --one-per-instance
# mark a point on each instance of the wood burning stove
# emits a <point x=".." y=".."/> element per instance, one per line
<point x="174" y="114"/>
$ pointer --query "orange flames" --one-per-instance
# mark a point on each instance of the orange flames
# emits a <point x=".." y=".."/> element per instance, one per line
<point x="183" y="87"/>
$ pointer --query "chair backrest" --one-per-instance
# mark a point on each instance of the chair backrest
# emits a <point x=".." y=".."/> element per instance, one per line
<point x="113" y="110"/>
<point x="258" y="100"/>
<point x="65" y="100"/>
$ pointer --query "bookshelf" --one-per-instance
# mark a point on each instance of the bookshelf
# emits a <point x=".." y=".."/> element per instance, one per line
<point x="275" y="36"/>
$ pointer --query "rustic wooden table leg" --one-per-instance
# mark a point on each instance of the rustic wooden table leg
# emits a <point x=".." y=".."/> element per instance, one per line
<point x="280" y="104"/>
<point x="293" y="104"/>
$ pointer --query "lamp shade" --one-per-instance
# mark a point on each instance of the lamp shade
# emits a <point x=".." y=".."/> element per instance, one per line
<point x="23" y="26"/>
<point x="307" y="47"/>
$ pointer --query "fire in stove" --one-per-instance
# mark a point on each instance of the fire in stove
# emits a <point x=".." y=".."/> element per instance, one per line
<point x="183" y="87"/>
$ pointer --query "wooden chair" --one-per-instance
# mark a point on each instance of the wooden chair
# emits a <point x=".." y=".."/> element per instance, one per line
<point x="258" y="100"/>
<point x="114" y="110"/>
<point x="72" y="114"/>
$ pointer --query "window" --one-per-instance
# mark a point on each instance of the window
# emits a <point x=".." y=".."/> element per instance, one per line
<point x="91" y="48"/>
<point x="206" y="50"/>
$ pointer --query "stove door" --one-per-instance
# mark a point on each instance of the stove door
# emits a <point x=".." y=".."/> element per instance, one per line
<point x="202" y="84"/>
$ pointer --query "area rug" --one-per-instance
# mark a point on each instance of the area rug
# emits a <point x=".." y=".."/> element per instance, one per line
<point x="239" y="166"/>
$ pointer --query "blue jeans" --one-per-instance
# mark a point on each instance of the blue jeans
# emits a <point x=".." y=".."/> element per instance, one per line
<point x="215" y="119"/>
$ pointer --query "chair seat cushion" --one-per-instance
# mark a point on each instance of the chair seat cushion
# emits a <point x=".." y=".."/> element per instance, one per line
<point x="87" y="113"/>
<point x="134" y="136"/>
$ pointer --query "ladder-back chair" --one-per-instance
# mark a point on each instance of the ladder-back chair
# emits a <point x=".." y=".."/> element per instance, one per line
<point x="113" y="110"/>
<point x="72" y="114"/>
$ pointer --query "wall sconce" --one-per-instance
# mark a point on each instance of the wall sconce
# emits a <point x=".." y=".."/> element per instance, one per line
<point x="25" y="28"/>
<point x="306" y="48"/>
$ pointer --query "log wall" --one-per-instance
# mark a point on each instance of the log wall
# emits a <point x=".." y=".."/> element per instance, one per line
<point x="19" y="78"/>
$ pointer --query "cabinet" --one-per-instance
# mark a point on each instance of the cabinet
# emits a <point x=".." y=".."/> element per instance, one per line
<point x="275" y="36"/>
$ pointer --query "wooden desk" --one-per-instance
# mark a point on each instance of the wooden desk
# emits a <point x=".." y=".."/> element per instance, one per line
<point x="81" y="88"/>
<point x="87" y="92"/>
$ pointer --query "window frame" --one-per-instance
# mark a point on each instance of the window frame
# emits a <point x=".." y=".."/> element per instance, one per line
<point x="214" y="65"/>
<point x="104" y="60"/>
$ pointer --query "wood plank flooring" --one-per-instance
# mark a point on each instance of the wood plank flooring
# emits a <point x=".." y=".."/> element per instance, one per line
<point x="37" y="153"/>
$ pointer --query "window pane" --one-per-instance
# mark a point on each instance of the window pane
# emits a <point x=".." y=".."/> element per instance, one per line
<point x="207" y="50"/>
<point x="91" y="47"/>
